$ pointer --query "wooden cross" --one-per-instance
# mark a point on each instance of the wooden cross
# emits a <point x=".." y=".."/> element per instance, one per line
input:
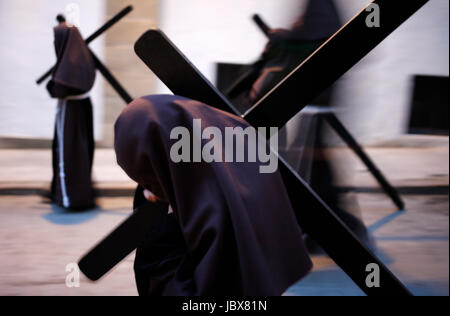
<point x="333" y="59"/>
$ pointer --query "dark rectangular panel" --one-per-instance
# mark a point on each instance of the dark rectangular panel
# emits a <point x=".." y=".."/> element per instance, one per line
<point x="315" y="217"/>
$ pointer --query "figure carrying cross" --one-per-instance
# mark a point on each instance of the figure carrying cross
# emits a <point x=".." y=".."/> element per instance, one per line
<point x="215" y="236"/>
<point x="72" y="78"/>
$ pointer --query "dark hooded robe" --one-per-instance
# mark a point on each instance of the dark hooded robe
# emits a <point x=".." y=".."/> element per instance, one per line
<point x="288" y="48"/>
<point x="73" y="144"/>
<point x="303" y="141"/>
<point x="233" y="231"/>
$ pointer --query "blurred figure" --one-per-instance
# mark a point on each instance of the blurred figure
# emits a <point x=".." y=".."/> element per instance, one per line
<point x="288" y="48"/>
<point x="73" y="144"/>
<point x="302" y="142"/>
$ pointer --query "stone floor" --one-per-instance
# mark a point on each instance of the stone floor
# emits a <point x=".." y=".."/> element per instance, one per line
<point x="38" y="240"/>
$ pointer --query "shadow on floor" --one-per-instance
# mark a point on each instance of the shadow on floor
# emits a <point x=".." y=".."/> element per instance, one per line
<point x="61" y="216"/>
<point x="334" y="282"/>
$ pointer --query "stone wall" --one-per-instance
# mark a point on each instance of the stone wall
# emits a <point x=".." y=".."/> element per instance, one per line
<point x="137" y="79"/>
<point x="374" y="96"/>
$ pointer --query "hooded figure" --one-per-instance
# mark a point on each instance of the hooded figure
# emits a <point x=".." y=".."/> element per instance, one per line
<point x="73" y="144"/>
<point x="319" y="22"/>
<point x="232" y="232"/>
<point x="302" y="142"/>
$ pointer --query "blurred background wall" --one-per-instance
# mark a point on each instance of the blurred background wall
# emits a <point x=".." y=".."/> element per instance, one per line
<point x="375" y="96"/>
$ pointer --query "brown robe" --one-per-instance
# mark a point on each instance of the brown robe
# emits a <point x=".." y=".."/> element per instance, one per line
<point x="233" y="231"/>
<point x="73" y="144"/>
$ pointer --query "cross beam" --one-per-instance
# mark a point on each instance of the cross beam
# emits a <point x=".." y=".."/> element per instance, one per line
<point x="341" y="130"/>
<point x="173" y="68"/>
<point x="261" y="24"/>
<point x="352" y="143"/>
<point x="321" y="223"/>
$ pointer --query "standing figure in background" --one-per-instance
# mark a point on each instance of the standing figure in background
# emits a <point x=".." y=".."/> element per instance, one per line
<point x="232" y="230"/>
<point x="303" y="141"/>
<point x="73" y="144"/>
